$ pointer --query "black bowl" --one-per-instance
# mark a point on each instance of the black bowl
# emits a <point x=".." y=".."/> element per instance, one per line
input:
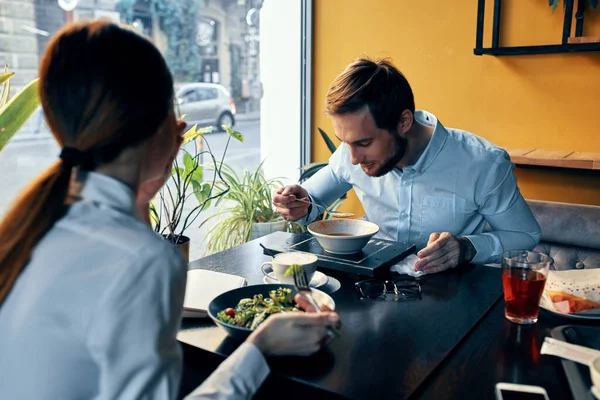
<point x="232" y="298"/>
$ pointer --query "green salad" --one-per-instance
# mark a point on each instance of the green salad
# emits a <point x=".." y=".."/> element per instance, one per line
<point x="250" y="313"/>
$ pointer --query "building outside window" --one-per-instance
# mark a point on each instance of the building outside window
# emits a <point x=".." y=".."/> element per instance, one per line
<point x="209" y="44"/>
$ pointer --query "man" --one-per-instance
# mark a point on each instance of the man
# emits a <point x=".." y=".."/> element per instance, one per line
<point x="420" y="182"/>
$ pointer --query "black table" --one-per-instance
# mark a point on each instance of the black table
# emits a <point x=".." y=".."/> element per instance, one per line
<point x="454" y="343"/>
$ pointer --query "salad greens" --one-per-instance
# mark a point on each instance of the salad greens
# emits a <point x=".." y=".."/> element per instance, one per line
<point x="292" y="268"/>
<point x="250" y="313"/>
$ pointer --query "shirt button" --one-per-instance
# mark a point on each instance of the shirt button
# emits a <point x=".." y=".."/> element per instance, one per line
<point x="403" y="215"/>
<point x="405" y="183"/>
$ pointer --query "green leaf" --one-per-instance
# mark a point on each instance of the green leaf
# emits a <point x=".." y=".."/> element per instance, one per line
<point x="336" y="204"/>
<point x="177" y="171"/>
<point x="197" y="174"/>
<point x="206" y="189"/>
<point x="311" y="171"/>
<point x="206" y="129"/>
<point x="18" y="110"/>
<point x="197" y="186"/>
<point x="5" y="77"/>
<point x="234" y="134"/>
<point x="292" y="268"/>
<point x="193" y="133"/>
<point x="313" y="164"/>
<point x="4" y="96"/>
<point x="334" y="207"/>
<point x="332" y="147"/>
<point x="188" y="163"/>
<point x="201" y="191"/>
<point x="154" y="218"/>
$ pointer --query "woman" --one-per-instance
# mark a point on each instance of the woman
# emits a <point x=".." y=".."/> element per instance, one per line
<point x="90" y="296"/>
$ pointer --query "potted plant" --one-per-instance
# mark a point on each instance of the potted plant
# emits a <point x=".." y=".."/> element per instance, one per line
<point x="247" y="209"/>
<point x="174" y="210"/>
<point x="579" y="15"/>
<point x="14" y="112"/>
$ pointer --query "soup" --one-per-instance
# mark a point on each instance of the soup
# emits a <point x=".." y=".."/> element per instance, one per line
<point x="340" y="234"/>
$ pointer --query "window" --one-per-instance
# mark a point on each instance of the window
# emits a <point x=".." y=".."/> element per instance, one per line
<point x="214" y="41"/>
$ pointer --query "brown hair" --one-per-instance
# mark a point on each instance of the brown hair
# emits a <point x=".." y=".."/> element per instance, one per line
<point x="103" y="88"/>
<point x="376" y="84"/>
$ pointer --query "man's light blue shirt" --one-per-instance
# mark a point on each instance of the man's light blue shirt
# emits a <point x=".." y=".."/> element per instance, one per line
<point x="460" y="182"/>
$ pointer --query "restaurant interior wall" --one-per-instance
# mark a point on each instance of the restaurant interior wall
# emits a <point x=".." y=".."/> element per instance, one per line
<point x="535" y="101"/>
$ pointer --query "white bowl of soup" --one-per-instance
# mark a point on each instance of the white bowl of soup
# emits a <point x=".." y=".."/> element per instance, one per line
<point x="343" y="236"/>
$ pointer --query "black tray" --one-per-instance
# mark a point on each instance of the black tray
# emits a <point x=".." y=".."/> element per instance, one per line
<point x="374" y="260"/>
<point x="578" y="374"/>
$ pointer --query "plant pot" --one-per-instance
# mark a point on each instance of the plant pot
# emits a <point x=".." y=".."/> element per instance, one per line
<point x="183" y="244"/>
<point x="260" y="229"/>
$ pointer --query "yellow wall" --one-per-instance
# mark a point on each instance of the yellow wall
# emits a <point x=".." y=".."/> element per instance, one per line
<point x="536" y="101"/>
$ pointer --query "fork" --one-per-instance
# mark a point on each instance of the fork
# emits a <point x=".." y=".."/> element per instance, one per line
<point x="301" y="283"/>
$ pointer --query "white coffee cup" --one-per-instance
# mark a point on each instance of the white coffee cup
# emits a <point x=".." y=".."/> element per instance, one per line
<point x="282" y="261"/>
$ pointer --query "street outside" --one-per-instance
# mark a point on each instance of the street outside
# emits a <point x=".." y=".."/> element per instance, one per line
<point x="22" y="160"/>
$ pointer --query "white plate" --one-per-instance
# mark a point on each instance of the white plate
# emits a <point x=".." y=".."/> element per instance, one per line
<point x="319" y="279"/>
<point x="582" y="316"/>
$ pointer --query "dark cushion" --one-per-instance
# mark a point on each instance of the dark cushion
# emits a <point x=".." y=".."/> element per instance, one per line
<point x="574" y="224"/>
<point x="570" y="257"/>
<point x="570" y="233"/>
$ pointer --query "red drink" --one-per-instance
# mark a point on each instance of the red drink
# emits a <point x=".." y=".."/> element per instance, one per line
<point x="522" y="293"/>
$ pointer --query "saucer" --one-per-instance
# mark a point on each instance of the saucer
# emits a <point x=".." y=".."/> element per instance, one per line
<point x="319" y="279"/>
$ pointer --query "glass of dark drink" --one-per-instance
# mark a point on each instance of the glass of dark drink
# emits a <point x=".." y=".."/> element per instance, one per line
<point x="523" y="278"/>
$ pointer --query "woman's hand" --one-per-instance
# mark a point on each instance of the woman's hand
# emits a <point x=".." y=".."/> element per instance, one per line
<point x="298" y="333"/>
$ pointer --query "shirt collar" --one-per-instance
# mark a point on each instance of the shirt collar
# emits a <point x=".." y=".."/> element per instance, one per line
<point x="105" y="190"/>
<point x="436" y="143"/>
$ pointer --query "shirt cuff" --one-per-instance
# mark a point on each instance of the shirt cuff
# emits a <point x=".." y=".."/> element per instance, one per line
<point x="254" y="360"/>
<point x="310" y="217"/>
<point x="480" y="243"/>
<point x="238" y="377"/>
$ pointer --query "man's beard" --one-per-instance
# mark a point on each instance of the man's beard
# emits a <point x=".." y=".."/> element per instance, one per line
<point x="400" y="149"/>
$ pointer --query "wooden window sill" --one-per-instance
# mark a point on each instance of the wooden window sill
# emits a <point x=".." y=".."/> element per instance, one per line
<point x="555" y="158"/>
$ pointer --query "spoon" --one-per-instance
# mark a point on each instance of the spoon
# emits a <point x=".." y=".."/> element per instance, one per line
<point x="269" y="252"/>
<point x="336" y="214"/>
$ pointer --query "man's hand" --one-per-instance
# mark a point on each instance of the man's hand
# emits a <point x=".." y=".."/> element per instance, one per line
<point x="442" y="252"/>
<point x="287" y="206"/>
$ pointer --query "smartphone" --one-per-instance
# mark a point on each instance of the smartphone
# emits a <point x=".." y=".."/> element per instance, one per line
<point x="515" y="391"/>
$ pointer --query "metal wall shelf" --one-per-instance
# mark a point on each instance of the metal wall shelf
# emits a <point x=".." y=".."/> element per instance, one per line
<point x="564" y="47"/>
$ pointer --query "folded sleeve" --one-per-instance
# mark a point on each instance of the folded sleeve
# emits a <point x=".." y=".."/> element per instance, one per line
<point x="237" y="378"/>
